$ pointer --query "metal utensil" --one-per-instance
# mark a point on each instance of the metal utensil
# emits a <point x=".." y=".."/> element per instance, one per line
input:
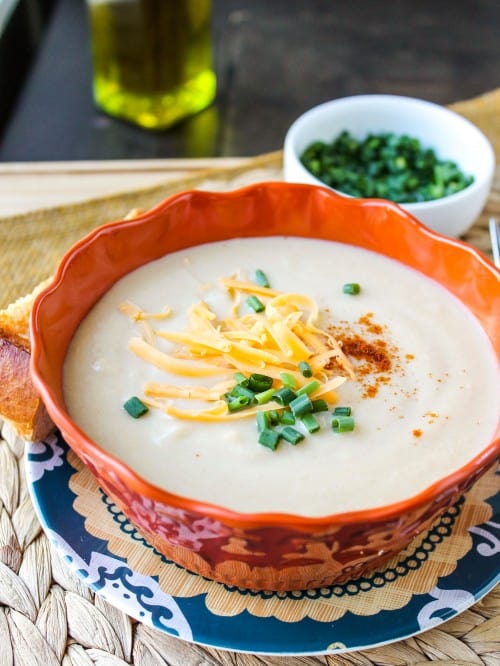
<point x="495" y="241"/>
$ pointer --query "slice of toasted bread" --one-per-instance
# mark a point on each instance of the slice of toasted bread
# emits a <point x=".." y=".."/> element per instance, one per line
<point x="20" y="404"/>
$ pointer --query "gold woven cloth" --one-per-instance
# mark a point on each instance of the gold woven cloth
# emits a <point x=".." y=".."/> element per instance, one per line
<point x="32" y="244"/>
<point x="47" y="615"/>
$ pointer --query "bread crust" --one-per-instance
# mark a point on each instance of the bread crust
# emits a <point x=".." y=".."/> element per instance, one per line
<point x="20" y="404"/>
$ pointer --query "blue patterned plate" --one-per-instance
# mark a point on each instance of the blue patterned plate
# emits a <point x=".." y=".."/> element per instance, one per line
<point x="193" y="617"/>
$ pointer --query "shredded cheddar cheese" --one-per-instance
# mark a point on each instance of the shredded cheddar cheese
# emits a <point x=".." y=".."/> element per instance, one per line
<point x="217" y="413"/>
<point x="271" y="342"/>
<point x="134" y="312"/>
<point x="247" y="287"/>
<point x="159" y="390"/>
<point x="177" y="366"/>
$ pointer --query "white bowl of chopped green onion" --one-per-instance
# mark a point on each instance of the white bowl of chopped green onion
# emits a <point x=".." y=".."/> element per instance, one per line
<point x="426" y="158"/>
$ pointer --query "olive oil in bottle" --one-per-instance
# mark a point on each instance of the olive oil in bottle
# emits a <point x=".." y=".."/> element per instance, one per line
<point x="152" y="59"/>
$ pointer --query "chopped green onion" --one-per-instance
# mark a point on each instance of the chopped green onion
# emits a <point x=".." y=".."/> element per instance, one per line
<point x="284" y="395"/>
<point x="310" y="423"/>
<point x="384" y="164"/>
<point x="351" y="288"/>
<point x="288" y="380"/>
<point x="319" y="405"/>
<point x="255" y="303"/>
<point x="240" y="390"/>
<point x="308" y="388"/>
<point x="287" y="418"/>
<point x="259" y="383"/>
<point x="305" y="369"/>
<point x="291" y="435"/>
<point x="274" y="416"/>
<point x="342" y="411"/>
<point x="342" y="423"/>
<point x="262" y="421"/>
<point x="240" y="377"/>
<point x="301" y="405"/>
<point x="264" y="396"/>
<point x="261" y="278"/>
<point x="234" y="404"/>
<point x="135" y="407"/>
<point x="269" y="438"/>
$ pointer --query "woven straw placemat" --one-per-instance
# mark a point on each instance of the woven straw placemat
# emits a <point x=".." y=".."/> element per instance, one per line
<point x="47" y="615"/>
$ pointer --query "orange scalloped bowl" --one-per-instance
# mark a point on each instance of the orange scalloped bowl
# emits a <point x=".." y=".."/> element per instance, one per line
<point x="267" y="551"/>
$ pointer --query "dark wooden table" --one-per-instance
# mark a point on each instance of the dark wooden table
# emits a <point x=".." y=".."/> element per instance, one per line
<point x="274" y="59"/>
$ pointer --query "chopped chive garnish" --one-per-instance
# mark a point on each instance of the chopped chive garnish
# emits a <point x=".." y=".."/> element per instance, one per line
<point x="234" y="404"/>
<point x="261" y="278"/>
<point x="262" y="421"/>
<point x="342" y="411"/>
<point x="284" y="395"/>
<point x="135" y="407"/>
<point x="240" y="390"/>
<point x="319" y="405"/>
<point x="389" y="165"/>
<point x="310" y="423"/>
<point x="305" y="369"/>
<point x="287" y="418"/>
<point x="264" y="396"/>
<point x="274" y="416"/>
<point x="240" y="377"/>
<point x="259" y="383"/>
<point x="269" y="438"/>
<point x="308" y="388"/>
<point x="301" y="405"/>
<point x="291" y="435"/>
<point x="288" y="380"/>
<point x="351" y="288"/>
<point x="342" y="423"/>
<point x="255" y="303"/>
<point x="392" y="166"/>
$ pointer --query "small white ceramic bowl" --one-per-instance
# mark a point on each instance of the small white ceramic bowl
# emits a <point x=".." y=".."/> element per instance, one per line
<point x="449" y="134"/>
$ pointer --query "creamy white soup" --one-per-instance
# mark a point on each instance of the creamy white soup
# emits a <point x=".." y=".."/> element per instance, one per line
<point x="424" y="399"/>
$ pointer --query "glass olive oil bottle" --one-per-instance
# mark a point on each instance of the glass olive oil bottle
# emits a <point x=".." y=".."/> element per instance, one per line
<point x="152" y="59"/>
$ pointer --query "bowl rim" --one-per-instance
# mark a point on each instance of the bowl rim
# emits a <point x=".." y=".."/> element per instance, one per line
<point x="83" y="443"/>
<point x="290" y="150"/>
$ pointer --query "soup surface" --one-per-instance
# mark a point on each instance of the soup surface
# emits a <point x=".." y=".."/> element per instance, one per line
<point x="424" y="399"/>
